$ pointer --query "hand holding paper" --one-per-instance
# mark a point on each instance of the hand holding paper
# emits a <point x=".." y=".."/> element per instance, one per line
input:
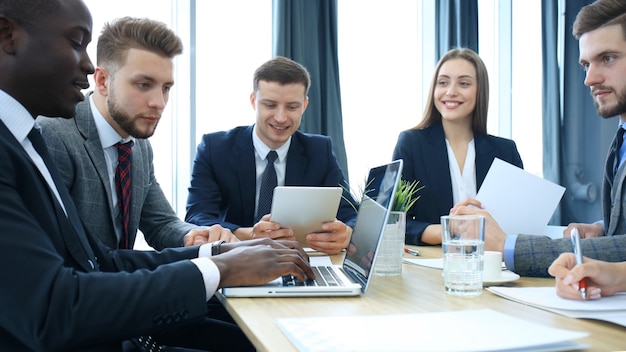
<point x="520" y="202"/>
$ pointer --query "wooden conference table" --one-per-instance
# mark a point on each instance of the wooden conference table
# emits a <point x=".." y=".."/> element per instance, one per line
<point x="419" y="289"/>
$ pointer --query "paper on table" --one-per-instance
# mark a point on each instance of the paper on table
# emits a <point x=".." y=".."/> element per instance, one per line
<point x="487" y="330"/>
<point x="612" y="308"/>
<point x="435" y="263"/>
<point x="519" y="201"/>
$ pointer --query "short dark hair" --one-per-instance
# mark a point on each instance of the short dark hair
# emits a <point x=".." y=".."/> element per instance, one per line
<point x="126" y="33"/>
<point x="599" y="14"/>
<point x="27" y="13"/>
<point x="284" y="71"/>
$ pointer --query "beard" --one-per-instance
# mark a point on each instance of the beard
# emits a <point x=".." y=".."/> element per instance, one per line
<point x="617" y="109"/>
<point x="125" y="121"/>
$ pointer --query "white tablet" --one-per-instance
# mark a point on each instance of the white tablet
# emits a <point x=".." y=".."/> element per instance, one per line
<point x="305" y="209"/>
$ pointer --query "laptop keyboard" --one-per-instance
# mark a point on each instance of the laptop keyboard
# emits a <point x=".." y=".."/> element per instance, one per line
<point x="324" y="276"/>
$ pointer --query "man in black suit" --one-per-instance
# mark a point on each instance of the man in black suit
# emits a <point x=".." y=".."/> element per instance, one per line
<point x="60" y="289"/>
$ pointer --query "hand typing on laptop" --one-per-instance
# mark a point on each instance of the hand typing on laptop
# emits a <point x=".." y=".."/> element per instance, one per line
<point x="257" y="262"/>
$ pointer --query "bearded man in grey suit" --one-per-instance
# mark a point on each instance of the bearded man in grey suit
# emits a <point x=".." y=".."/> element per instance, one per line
<point x="601" y="30"/>
<point x="133" y="80"/>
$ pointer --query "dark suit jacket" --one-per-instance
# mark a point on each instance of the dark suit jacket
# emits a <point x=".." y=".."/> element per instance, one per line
<point x="76" y="149"/>
<point x="52" y="299"/>
<point x="223" y="179"/>
<point x="426" y="160"/>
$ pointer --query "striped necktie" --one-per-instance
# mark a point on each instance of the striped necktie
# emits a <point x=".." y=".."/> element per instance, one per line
<point x="614" y="154"/>
<point x="123" y="188"/>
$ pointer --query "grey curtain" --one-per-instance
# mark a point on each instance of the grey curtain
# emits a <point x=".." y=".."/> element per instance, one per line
<point x="306" y="31"/>
<point x="551" y="97"/>
<point x="584" y="137"/>
<point x="457" y="25"/>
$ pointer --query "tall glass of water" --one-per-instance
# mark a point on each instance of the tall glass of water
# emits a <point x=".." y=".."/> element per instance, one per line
<point x="463" y="244"/>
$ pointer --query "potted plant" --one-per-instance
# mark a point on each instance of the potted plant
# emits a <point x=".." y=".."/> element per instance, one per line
<point x="405" y="196"/>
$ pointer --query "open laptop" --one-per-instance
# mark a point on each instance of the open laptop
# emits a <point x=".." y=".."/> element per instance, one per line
<point x="353" y="276"/>
<point x="305" y="209"/>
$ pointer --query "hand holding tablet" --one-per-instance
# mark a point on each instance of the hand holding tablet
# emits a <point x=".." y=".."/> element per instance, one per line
<point x="305" y="209"/>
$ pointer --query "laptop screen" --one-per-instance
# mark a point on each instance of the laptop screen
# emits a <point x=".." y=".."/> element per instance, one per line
<point x="371" y="219"/>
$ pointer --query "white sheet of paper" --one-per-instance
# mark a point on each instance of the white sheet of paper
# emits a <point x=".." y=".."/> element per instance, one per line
<point x="554" y="231"/>
<point x="483" y="330"/>
<point x="519" y="201"/>
<point x="435" y="263"/>
<point x="612" y="308"/>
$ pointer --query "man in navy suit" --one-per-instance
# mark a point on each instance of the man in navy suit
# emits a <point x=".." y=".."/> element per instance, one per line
<point x="229" y="165"/>
<point x="62" y="290"/>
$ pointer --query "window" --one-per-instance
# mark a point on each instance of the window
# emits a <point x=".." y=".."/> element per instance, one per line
<point x="218" y="69"/>
<point x="384" y="75"/>
<point x="511" y="50"/>
<point x="379" y="67"/>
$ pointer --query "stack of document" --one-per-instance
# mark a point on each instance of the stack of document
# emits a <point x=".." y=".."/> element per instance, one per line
<point x="611" y="309"/>
<point x="468" y="330"/>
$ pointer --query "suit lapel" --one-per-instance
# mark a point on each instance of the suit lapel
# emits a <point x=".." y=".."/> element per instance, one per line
<point x="297" y="161"/>
<point x="80" y="250"/>
<point x="93" y="146"/>
<point x="438" y="169"/>
<point x="70" y="226"/>
<point x="616" y="201"/>
<point x="484" y="158"/>
<point x="246" y="171"/>
<point x="140" y="183"/>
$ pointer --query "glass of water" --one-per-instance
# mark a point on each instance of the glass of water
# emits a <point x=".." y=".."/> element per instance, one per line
<point x="463" y="245"/>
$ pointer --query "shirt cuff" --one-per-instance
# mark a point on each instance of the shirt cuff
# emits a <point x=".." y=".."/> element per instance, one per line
<point x="601" y="222"/>
<point x="210" y="274"/>
<point x="509" y="252"/>
<point x="205" y="250"/>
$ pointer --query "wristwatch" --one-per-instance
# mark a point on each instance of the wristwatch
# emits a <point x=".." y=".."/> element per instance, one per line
<point x="216" y="247"/>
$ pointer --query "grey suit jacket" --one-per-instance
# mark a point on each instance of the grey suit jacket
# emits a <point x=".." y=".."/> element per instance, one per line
<point x="534" y="254"/>
<point x="75" y="147"/>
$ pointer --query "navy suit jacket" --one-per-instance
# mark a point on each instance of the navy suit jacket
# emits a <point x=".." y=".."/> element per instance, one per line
<point x="223" y="179"/>
<point x="426" y="160"/>
<point x="61" y="289"/>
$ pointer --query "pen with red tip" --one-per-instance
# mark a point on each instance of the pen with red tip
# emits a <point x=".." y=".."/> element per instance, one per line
<point x="411" y="251"/>
<point x="578" y="253"/>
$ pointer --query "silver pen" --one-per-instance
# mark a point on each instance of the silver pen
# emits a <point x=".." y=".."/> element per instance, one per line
<point x="578" y="253"/>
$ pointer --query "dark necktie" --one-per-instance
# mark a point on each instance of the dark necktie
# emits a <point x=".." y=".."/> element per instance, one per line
<point x="123" y="188"/>
<point x="71" y="214"/>
<point x="614" y="156"/>
<point x="268" y="183"/>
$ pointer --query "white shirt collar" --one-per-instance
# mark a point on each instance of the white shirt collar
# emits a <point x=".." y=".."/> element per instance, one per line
<point x="15" y="116"/>
<point x="108" y="136"/>
<point x="263" y="149"/>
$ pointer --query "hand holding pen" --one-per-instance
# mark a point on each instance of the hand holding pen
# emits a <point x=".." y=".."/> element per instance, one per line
<point x="582" y="284"/>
